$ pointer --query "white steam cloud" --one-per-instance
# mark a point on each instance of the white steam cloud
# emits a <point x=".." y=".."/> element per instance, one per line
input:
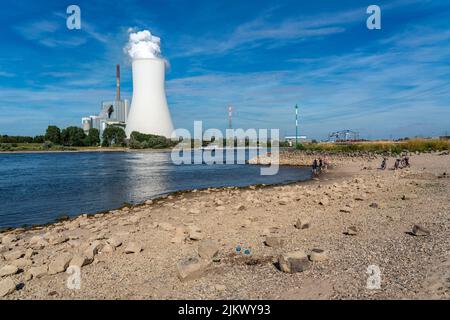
<point x="143" y="45"/>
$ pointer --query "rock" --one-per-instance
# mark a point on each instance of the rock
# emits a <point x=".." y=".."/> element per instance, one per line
<point x="195" y="233"/>
<point x="208" y="249"/>
<point x="37" y="272"/>
<point x="9" y="238"/>
<point x="7" y="286"/>
<point x="107" y="248"/>
<point x="13" y="255"/>
<point x="29" y="253"/>
<point x="3" y="248"/>
<point x="220" y="208"/>
<point x="283" y="202"/>
<point x="133" y="247"/>
<point x="292" y="262"/>
<point x="345" y="210"/>
<point x="302" y="223"/>
<point x="149" y="202"/>
<point x="190" y="268"/>
<point x="274" y="242"/>
<point x="374" y="205"/>
<point x="351" y="231"/>
<point x="220" y="287"/>
<point x="115" y="242"/>
<point x="80" y="261"/>
<point x="22" y="263"/>
<point x="409" y="197"/>
<point x="8" y="270"/>
<point x="35" y="240"/>
<point x="318" y="255"/>
<point x="324" y="201"/>
<point x="180" y="235"/>
<point x="240" y="207"/>
<point x="57" y="239"/>
<point x="59" y="264"/>
<point x="418" y="230"/>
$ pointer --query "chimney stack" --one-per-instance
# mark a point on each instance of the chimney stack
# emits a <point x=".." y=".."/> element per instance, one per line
<point x="117" y="82"/>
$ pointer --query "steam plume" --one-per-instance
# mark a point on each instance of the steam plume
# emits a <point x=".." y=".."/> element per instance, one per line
<point x="143" y="45"/>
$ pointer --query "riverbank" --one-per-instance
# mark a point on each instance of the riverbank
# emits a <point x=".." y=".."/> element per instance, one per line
<point x="358" y="215"/>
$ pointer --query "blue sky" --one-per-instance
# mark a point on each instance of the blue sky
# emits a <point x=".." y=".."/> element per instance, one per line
<point x="262" y="57"/>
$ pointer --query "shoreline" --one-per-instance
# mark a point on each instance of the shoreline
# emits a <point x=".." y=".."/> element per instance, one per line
<point x="158" y="198"/>
<point x="124" y="246"/>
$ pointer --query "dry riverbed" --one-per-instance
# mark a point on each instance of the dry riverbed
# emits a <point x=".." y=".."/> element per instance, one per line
<point x="313" y="240"/>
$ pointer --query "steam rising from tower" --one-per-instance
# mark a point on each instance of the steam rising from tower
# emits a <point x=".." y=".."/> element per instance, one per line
<point x="149" y="112"/>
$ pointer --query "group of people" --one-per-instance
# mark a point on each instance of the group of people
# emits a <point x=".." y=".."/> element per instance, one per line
<point x="318" y="165"/>
<point x="400" y="163"/>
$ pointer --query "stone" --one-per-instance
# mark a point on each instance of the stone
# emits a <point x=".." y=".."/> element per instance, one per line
<point x="352" y="231"/>
<point x="195" y="233"/>
<point x="13" y="255"/>
<point x="107" y="248"/>
<point x="37" y="272"/>
<point x="149" y="202"/>
<point x="409" y="197"/>
<point x="324" y="201"/>
<point x="9" y="238"/>
<point x="80" y="260"/>
<point x="29" y="253"/>
<point x="35" y="240"/>
<point x="220" y="208"/>
<point x="115" y="242"/>
<point x="318" y="255"/>
<point x="190" y="268"/>
<point x="8" y="270"/>
<point x="374" y="205"/>
<point x="208" y="249"/>
<point x="345" y="210"/>
<point x="180" y="235"/>
<point x="292" y="262"/>
<point x="274" y="242"/>
<point x="302" y="223"/>
<point x="194" y="211"/>
<point x="7" y="286"/>
<point x="133" y="247"/>
<point x="220" y="287"/>
<point x="59" y="264"/>
<point x="282" y="202"/>
<point x="57" y="239"/>
<point x="418" y="231"/>
<point x="22" y="263"/>
<point x="240" y="207"/>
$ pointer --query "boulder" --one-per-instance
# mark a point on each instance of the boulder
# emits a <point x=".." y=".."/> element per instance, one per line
<point x="57" y="239"/>
<point x="418" y="231"/>
<point x="274" y="242"/>
<point x="59" y="264"/>
<point x="302" y="223"/>
<point x="7" y="286"/>
<point x="22" y="263"/>
<point x="208" y="249"/>
<point x="107" y="248"/>
<point x="8" y="270"/>
<point x="13" y="255"/>
<point x="80" y="260"/>
<point x="191" y="268"/>
<point x="115" y="242"/>
<point x="133" y="247"/>
<point x="37" y="272"/>
<point x="318" y="255"/>
<point x="195" y="233"/>
<point x="291" y="262"/>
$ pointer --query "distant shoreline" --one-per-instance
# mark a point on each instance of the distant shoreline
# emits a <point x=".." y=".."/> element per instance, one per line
<point x="84" y="151"/>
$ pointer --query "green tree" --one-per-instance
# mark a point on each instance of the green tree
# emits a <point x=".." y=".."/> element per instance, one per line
<point x="93" y="137"/>
<point x="113" y="136"/>
<point x="38" y="139"/>
<point x="73" y="136"/>
<point x="141" y="141"/>
<point x="53" y="134"/>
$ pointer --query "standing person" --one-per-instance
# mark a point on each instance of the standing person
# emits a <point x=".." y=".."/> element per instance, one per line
<point x="320" y="165"/>
<point x="397" y="164"/>
<point x="383" y="164"/>
<point x="314" y="168"/>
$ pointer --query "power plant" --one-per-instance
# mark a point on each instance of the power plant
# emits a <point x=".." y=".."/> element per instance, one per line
<point x="112" y="113"/>
<point x="149" y="112"/>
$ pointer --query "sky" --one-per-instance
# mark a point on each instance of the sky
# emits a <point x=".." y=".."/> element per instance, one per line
<point x="261" y="57"/>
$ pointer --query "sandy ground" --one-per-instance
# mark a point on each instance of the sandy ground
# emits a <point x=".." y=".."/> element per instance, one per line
<point x="383" y="206"/>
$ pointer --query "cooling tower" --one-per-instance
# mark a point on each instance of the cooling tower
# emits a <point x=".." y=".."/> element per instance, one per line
<point x="149" y="112"/>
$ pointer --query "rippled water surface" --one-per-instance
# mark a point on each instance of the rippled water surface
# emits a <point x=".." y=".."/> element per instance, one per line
<point x="38" y="188"/>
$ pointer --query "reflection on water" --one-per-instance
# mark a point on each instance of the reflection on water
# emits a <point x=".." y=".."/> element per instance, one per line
<point x="37" y="188"/>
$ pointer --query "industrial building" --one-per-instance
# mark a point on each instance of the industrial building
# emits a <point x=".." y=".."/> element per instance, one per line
<point x="112" y="113"/>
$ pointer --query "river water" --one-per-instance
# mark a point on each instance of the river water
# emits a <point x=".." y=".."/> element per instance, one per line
<point x="40" y="187"/>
